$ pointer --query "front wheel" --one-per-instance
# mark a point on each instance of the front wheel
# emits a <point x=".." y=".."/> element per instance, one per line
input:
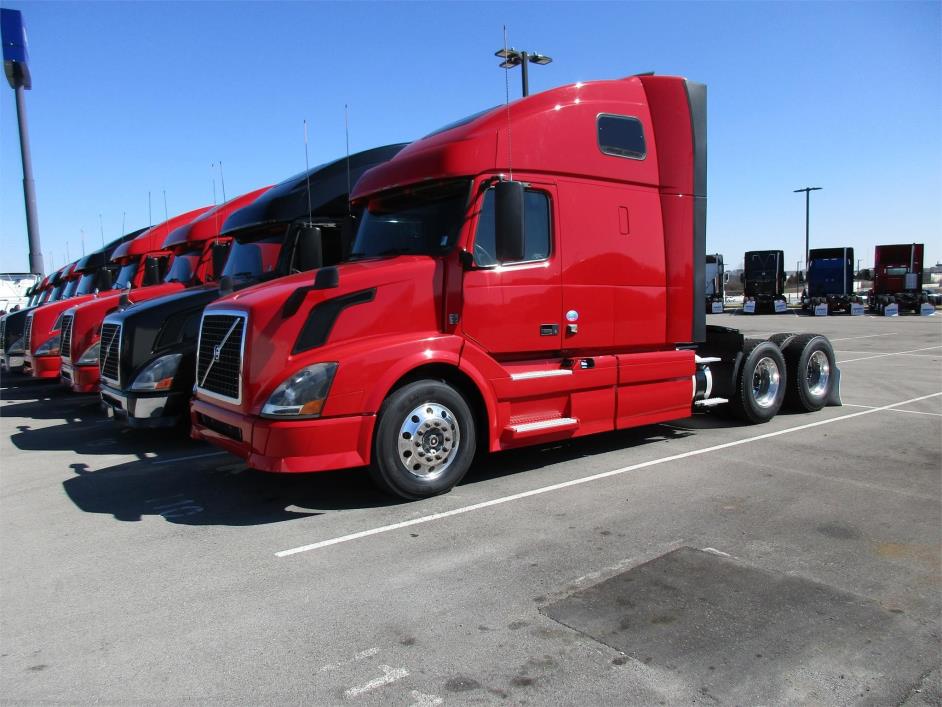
<point x="760" y="383"/>
<point x="424" y="440"/>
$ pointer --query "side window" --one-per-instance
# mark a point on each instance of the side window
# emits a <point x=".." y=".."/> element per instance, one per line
<point x="621" y="136"/>
<point x="536" y="215"/>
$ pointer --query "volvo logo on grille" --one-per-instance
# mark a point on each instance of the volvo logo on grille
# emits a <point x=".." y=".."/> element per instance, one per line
<point x="217" y="350"/>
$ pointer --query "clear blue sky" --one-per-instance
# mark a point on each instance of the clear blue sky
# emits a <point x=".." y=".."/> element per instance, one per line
<point x="130" y="97"/>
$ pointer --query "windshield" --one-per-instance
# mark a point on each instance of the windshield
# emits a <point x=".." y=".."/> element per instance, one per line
<point x="126" y="276"/>
<point x="184" y="266"/>
<point x="423" y="221"/>
<point x="87" y="284"/>
<point x="255" y="258"/>
<point x="69" y="290"/>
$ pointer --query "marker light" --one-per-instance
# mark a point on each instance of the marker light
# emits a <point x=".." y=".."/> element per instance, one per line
<point x="303" y="394"/>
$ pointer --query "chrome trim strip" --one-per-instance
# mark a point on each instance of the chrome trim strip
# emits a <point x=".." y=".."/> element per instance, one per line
<point x="544" y="424"/>
<point x="528" y="375"/>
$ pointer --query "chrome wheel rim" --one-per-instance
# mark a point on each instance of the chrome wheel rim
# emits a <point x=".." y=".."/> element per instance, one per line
<point x="428" y="440"/>
<point x="818" y="373"/>
<point x="765" y="382"/>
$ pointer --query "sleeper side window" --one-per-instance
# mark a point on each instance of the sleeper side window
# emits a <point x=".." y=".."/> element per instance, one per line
<point x="621" y="136"/>
<point x="536" y="215"/>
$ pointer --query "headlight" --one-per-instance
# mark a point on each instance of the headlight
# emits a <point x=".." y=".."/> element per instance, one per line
<point x="303" y="394"/>
<point x="17" y="347"/>
<point x="50" y="347"/>
<point x="158" y="374"/>
<point x="90" y="357"/>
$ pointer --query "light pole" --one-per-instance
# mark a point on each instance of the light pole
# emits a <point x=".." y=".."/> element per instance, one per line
<point x="514" y="58"/>
<point x="807" y="191"/>
<point x="16" y="68"/>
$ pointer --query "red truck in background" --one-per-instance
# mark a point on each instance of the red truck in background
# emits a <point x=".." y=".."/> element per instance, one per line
<point x="12" y="324"/>
<point x="141" y="263"/>
<point x="199" y="255"/>
<point x="897" y="278"/>
<point x="532" y="273"/>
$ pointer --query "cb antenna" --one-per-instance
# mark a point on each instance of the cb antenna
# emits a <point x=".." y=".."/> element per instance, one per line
<point x="346" y="127"/>
<point x="101" y="227"/>
<point x="212" y="174"/>
<point x="222" y="181"/>
<point x="124" y="218"/>
<point x="166" y="215"/>
<point x="150" y="218"/>
<point x="307" y="178"/>
<point x="82" y="236"/>
<point x="510" y="164"/>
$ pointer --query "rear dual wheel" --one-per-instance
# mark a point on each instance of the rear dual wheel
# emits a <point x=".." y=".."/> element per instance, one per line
<point x="760" y="383"/>
<point x="809" y="359"/>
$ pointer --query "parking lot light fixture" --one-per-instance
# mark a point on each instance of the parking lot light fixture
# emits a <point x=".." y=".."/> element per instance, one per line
<point x="513" y="58"/>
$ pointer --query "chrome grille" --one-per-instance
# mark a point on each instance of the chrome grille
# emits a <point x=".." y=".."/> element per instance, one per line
<point x="65" y="344"/>
<point x="219" y="359"/>
<point x="108" y="353"/>
<point x="27" y="331"/>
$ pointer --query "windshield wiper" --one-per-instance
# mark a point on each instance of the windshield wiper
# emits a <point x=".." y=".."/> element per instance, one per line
<point x="388" y="251"/>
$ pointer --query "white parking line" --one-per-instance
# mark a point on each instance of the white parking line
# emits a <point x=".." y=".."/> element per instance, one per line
<point x="892" y="353"/>
<point x="389" y="675"/>
<point x="586" y="479"/>
<point x="911" y="412"/>
<point x="868" y="336"/>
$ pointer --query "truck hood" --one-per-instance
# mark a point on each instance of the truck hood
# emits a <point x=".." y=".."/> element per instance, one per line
<point x="376" y="294"/>
<point x="45" y="317"/>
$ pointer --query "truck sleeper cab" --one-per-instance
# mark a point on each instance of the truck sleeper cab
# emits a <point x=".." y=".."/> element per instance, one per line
<point x="716" y="279"/>
<point x="763" y="279"/>
<point x="830" y="280"/>
<point x="194" y="255"/>
<point x="897" y="278"/>
<point x="478" y="311"/>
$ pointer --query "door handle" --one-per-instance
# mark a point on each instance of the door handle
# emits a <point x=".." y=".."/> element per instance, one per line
<point x="549" y="329"/>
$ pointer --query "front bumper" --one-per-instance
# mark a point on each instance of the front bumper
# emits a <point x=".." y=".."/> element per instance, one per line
<point x="42" y="366"/>
<point x="80" y="379"/>
<point x="285" y="446"/>
<point x="143" y="410"/>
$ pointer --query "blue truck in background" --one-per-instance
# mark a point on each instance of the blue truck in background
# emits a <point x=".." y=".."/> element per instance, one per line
<point x="830" y="280"/>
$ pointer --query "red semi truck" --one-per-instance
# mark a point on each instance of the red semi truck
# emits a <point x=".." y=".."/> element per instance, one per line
<point x="529" y="274"/>
<point x="142" y="263"/>
<point x="199" y="255"/>
<point x="897" y="278"/>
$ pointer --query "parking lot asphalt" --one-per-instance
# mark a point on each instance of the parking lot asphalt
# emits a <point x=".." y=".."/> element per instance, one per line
<point x="143" y="567"/>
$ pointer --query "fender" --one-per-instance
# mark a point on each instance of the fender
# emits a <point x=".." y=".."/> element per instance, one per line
<point x="408" y="357"/>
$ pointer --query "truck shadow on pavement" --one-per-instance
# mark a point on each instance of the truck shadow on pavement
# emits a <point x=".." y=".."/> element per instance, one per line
<point x="219" y="490"/>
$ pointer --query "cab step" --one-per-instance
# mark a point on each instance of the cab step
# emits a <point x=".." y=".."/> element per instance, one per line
<point x="541" y="427"/>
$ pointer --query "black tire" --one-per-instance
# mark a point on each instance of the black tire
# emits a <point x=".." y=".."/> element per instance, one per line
<point x="806" y="391"/>
<point x="781" y="339"/>
<point x="753" y="400"/>
<point x="444" y="411"/>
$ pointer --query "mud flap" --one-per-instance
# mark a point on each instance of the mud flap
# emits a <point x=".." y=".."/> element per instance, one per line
<point x="834" y="397"/>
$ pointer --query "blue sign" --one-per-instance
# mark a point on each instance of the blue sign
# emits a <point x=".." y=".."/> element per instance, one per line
<point x="15" y="52"/>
